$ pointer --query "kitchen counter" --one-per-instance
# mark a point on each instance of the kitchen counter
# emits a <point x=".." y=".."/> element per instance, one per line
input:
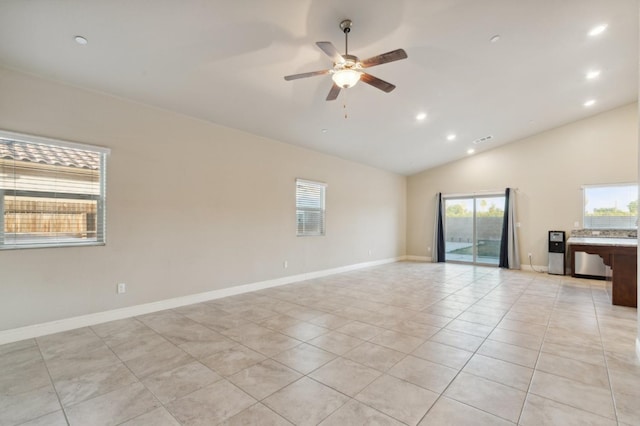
<point x="595" y="241"/>
<point x="620" y="254"/>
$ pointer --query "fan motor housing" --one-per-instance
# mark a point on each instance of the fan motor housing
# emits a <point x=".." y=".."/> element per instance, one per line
<point x="350" y="60"/>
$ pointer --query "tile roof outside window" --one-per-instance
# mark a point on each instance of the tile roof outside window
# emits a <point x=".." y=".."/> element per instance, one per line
<point x="47" y="154"/>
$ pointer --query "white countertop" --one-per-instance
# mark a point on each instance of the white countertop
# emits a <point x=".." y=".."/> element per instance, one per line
<point x="594" y="241"/>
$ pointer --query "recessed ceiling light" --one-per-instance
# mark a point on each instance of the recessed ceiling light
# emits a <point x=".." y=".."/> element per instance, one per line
<point x="421" y="116"/>
<point x="590" y="102"/>
<point x="593" y="74"/>
<point x="451" y="137"/>
<point x="595" y="31"/>
<point x="495" y="38"/>
<point x="80" y="40"/>
<point x="471" y="151"/>
<point x="324" y="130"/>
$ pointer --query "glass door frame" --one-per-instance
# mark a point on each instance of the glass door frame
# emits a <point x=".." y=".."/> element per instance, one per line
<point x="474" y="225"/>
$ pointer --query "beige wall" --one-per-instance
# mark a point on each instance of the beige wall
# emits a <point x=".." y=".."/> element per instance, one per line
<point x="194" y="207"/>
<point x="191" y="207"/>
<point x="548" y="169"/>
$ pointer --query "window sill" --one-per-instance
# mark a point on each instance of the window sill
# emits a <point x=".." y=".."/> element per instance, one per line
<point x="37" y="246"/>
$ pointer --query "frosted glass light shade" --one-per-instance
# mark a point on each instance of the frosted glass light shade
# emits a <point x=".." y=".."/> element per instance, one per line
<point x="346" y="78"/>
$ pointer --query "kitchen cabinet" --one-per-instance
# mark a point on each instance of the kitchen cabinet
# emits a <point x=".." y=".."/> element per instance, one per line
<point x="620" y="254"/>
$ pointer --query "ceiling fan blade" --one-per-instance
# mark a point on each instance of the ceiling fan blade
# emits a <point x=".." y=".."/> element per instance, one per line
<point x="333" y="93"/>
<point x="305" y="75"/>
<point x="331" y="51"/>
<point x="377" y="83"/>
<point x="394" y="55"/>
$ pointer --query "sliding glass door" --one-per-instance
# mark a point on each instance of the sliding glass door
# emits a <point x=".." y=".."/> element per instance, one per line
<point x="473" y="228"/>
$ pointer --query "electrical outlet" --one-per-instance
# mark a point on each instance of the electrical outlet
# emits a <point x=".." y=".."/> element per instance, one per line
<point x="122" y="288"/>
<point x="530" y="255"/>
<point x="370" y="252"/>
<point x="285" y="264"/>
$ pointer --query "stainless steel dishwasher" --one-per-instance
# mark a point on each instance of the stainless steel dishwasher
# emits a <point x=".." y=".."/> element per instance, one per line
<point x="590" y="266"/>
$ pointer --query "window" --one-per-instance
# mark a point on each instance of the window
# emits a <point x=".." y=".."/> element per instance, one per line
<point x="52" y="193"/>
<point x="611" y="206"/>
<point x="310" y="207"/>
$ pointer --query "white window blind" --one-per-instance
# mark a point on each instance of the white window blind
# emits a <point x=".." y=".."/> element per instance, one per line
<point x="52" y="193"/>
<point x="310" y="207"/>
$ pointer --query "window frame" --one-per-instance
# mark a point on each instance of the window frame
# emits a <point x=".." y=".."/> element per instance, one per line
<point x="585" y="188"/>
<point x="100" y="198"/>
<point x="322" y="209"/>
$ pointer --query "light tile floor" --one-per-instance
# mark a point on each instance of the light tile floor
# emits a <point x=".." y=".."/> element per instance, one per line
<point x="406" y="343"/>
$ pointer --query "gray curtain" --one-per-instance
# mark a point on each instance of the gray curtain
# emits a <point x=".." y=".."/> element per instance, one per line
<point x="438" y="231"/>
<point x="509" y="255"/>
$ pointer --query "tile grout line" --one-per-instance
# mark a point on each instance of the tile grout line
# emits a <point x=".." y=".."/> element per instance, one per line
<point x="138" y="379"/>
<point x="441" y="395"/>
<point x="270" y="357"/>
<point x="62" y="408"/>
<point x="382" y="373"/>
<point x="409" y="282"/>
<point x="606" y="361"/>
<point x="539" y="352"/>
<point x="554" y="309"/>
<point x="163" y="405"/>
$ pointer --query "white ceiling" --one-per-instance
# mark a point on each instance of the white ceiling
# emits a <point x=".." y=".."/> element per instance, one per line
<point x="224" y="61"/>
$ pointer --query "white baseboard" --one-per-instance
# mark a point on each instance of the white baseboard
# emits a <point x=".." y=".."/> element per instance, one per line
<point x="36" y="330"/>
<point x="418" y="258"/>
<point x="638" y="348"/>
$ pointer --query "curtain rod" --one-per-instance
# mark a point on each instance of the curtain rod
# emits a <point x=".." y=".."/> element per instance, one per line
<point x="482" y="192"/>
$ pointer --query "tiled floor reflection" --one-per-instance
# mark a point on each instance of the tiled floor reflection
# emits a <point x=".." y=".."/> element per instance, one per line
<point x="405" y="343"/>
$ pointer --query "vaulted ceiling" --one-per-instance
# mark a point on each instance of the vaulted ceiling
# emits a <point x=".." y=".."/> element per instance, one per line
<point x="224" y="61"/>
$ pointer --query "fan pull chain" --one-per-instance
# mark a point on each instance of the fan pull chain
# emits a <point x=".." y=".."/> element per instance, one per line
<point x="344" y="105"/>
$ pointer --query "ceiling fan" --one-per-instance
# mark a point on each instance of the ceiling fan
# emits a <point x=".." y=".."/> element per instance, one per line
<point x="348" y="69"/>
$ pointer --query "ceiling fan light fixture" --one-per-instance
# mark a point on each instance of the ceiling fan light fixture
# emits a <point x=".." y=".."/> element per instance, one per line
<point x="347" y="69"/>
<point x="346" y="78"/>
